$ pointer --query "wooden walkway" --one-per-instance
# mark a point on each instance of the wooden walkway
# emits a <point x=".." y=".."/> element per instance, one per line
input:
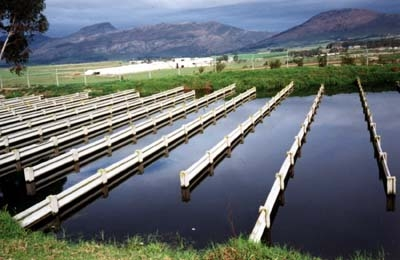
<point x="62" y="110"/>
<point x="186" y="176"/>
<point x="27" y="121"/>
<point x="390" y="186"/>
<point x="132" y="133"/>
<point x="28" y="107"/>
<point x="264" y="218"/>
<point x="54" y="203"/>
<point x="83" y="133"/>
<point x="19" y="138"/>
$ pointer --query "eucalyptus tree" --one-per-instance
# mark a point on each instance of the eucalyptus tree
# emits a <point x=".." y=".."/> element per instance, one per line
<point x="20" y="20"/>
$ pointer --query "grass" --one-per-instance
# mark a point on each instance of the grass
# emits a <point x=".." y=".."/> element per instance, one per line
<point x="17" y="243"/>
<point x="71" y="74"/>
<point x="307" y="80"/>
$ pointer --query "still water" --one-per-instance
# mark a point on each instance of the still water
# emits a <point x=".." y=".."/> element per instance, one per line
<point x="334" y="205"/>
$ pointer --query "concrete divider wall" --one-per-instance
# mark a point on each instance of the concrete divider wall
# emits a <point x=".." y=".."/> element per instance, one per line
<point x="74" y="121"/>
<point x="376" y="140"/>
<point x="264" y="218"/>
<point x="51" y="114"/>
<point x="132" y="132"/>
<point x="53" y="203"/>
<point x="186" y="176"/>
<point x="54" y="142"/>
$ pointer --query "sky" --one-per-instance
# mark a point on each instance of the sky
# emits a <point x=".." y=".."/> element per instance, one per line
<point x="66" y="17"/>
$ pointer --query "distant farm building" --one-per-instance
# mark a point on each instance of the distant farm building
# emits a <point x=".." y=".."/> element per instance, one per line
<point x="155" y="65"/>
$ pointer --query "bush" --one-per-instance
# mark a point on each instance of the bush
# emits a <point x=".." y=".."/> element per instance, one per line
<point x="201" y="70"/>
<point x="266" y="63"/>
<point x="220" y="66"/>
<point x="363" y="60"/>
<point x="322" y="60"/>
<point x="275" y="64"/>
<point x="299" y="61"/>
<point x="223" y="58"/>
<point x="348" y="60"/>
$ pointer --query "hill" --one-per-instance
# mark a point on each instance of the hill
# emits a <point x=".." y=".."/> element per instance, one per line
<point x="340" y="24"/>
<point x="103" y="42"/>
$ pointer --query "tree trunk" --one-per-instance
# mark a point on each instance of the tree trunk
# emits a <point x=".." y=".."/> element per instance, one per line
<point x="10" y="33"/>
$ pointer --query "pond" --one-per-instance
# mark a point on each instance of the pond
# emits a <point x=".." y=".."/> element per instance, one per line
<point x="334" y="205"/>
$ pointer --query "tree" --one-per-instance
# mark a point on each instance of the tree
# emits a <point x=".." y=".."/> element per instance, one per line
<point x="19" y="21"/>
<point x="299" y="61"/>
<point x="220" y="66"/>
<point x="223" y="58"/>
<point x="322" y="60"/>
<point x="235" y="58"/>
<point x="275" y="64"/>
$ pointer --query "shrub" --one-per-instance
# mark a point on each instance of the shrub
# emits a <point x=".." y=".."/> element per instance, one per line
<point x="275" y="64"/>
<point x="299" y="61"/>
<point x="322" y="60"/>
<point x="220" y="66"/>
<point x="348" y="60"/>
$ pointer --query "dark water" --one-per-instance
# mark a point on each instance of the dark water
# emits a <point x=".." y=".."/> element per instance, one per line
<point x="334" y="205"/>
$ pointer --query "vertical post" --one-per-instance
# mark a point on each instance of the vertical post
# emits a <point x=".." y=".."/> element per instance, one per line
<point x="179" y="70"/>
<point x="215" y="64"/>
<point x="252" y="61"/>
<point x="287" y="58"/>
<point x="28" y="82"/>
<point x="84" y="78"/>
<point x="327" y="62"/>
<point x="1" y="83"/>
<point x="57" y="80"/>
<point x="149" y="74"/>
<point x="367" y="55"/>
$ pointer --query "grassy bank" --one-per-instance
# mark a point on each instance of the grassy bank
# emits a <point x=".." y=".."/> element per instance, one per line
<point x="307" y="80"/>
<point x="16" y="243"/>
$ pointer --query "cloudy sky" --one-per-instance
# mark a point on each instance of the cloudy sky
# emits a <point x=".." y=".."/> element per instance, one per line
<point x="267" y="15"/>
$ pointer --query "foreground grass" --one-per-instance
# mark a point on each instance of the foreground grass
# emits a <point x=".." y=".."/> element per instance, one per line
<point x="16" y="243"/>
<point x="307" y="80"/>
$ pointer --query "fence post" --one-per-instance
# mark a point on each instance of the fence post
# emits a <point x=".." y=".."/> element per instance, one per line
<point x="57" y="81"/>
<point x="1" y="83"/>
<point x="149" y="74"/>
<point x="28" y="82"/>
<point x="84" y="78"/>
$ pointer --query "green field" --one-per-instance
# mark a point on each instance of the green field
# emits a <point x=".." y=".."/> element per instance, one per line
<point x="67" y="74"/>
<point x="267" y="81"/>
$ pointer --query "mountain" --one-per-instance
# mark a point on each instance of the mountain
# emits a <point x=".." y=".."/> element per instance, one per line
<point x="103" y="42"/>
<point x="336" y="25"/>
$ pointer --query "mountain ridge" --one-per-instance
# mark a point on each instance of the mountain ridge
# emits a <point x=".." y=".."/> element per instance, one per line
<point x="104" y="41"/>
<point x="336" y="24"/>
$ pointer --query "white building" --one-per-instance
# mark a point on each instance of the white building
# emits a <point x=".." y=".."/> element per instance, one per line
<point x="156" y="65"/>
